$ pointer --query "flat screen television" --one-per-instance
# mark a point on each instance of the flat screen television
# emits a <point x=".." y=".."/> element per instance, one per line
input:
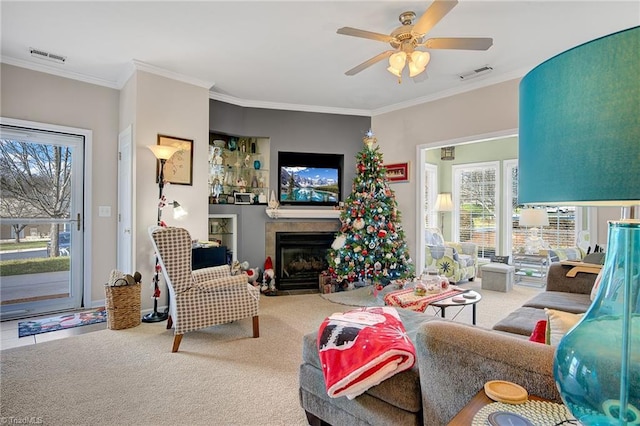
<point x="308" y="179"/>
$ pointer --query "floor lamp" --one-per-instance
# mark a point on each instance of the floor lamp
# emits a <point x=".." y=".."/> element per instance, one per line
<point x="443" y="204"/>
<point x="162" y="153"/>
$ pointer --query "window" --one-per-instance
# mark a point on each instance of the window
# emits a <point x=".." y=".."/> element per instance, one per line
<point x="476" y="203"/>
<point x="561" y="231"/>
<point x="563" y="220"/>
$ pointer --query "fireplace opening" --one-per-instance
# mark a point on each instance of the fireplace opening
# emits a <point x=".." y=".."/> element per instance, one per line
<point x="300" y="258"/>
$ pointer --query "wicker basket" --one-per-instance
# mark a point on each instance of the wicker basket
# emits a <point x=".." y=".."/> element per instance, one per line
<point x="123" y="306"/>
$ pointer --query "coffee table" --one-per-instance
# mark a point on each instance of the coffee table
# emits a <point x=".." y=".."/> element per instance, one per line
<point x="449" y="303"/>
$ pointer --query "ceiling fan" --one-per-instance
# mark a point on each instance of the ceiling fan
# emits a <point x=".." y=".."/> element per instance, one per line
<point x="406" y="38"/>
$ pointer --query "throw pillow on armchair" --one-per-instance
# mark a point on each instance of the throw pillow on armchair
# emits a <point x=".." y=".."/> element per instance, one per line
<point x="456" y="261"/>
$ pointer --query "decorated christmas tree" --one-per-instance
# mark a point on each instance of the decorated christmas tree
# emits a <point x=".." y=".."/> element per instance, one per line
<point x="370" y="246"/>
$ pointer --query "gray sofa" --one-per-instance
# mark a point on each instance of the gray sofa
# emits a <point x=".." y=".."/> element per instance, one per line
<point x="562" y="293"/>
<point x="454" y="361"/>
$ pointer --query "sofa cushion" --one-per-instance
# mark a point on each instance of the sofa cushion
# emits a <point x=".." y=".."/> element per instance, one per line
<point x="521" y="321"/>
<point x="401" y="390"/>
<point x="558" y="324"/>
<point x="568" y="302"/>
<point x="365" y="410"/>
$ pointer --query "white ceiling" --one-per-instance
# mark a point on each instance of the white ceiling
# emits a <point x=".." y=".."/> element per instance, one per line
<point x="287" y="54"/>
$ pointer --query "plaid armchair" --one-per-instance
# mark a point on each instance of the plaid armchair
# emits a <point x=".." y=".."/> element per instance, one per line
<point x="204" y="297"/>
<point x="456" y="261"/>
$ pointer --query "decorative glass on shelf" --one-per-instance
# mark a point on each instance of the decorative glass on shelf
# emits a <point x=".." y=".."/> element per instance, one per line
<point x="238" y="165"/>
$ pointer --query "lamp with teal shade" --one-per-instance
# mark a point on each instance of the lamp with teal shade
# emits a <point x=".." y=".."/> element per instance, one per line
<point x="579" y="144"/>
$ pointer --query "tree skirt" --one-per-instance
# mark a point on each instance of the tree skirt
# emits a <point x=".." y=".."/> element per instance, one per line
<point x="62" y="322"/>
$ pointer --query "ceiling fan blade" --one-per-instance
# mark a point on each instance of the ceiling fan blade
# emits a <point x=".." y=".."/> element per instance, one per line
<point x="463" y="43"/>
<point x="365" y="34"/>
<point x="433" y="15"/>
<point x="367" y="64"/>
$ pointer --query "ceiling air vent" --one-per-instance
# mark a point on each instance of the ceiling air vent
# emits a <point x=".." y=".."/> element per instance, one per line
<point x="41" y="54"/>
<point x="476" y="73"/>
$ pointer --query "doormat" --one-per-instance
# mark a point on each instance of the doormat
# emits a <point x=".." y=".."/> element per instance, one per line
<point x="62" y="322"/>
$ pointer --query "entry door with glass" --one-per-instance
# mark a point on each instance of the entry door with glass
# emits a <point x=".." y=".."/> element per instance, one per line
<point x="41" y="207"/>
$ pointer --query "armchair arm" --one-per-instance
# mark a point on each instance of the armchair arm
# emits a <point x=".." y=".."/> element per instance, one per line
<point x="456" y="360"/>
<point x="223" y="283"/>
<point x="211" y="273"/>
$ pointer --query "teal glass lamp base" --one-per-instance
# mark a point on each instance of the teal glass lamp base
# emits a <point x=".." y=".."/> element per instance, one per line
<point x="597" y="363"/>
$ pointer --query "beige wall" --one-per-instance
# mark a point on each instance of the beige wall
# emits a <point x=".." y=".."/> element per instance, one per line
<point x="484" y="111"/>
<point x="168" y="107"/>
<point x="44" y="98"/>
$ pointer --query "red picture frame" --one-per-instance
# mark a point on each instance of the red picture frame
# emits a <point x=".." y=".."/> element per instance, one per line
<point x="398" y="172"/>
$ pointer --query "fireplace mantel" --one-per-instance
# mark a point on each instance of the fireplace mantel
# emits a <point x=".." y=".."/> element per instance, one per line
<point x="303" y="213"/>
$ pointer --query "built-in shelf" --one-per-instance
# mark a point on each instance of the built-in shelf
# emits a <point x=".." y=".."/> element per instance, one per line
<point x="224" y="228"/>
<point x="284" y="213"/>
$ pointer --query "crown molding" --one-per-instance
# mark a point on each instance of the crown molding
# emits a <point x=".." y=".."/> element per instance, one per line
<point x="465" y="86"/>
<point x="143" y="66"/>
<point x="49" y="69"/>
<point x="248" y="103"/>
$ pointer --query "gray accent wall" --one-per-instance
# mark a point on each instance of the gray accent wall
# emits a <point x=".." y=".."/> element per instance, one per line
<point x="288" y="131"/>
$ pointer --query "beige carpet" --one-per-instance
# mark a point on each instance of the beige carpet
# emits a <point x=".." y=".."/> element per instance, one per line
<point x="221" y="376"/>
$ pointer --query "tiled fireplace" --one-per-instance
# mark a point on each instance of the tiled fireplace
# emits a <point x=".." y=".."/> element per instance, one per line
<point x="298" y="251"/>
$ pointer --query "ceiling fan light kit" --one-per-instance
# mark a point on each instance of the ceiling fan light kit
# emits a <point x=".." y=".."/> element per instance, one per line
<point x="396" y="63"/>
<point x="406" y="38"/>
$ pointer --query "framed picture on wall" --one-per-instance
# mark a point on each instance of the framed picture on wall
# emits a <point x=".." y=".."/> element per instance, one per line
<point x="398" y="172"/>
<point x="179" y="168"/>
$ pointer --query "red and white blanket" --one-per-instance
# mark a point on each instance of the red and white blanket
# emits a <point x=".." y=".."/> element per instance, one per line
<point x="361" y="348"/>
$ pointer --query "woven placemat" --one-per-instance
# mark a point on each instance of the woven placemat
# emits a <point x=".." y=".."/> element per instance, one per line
<point x="540" y="413"/>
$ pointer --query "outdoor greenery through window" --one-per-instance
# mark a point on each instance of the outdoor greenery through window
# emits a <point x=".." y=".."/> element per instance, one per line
<point x="476" y="200"/>
<point x="36" y="183"/>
